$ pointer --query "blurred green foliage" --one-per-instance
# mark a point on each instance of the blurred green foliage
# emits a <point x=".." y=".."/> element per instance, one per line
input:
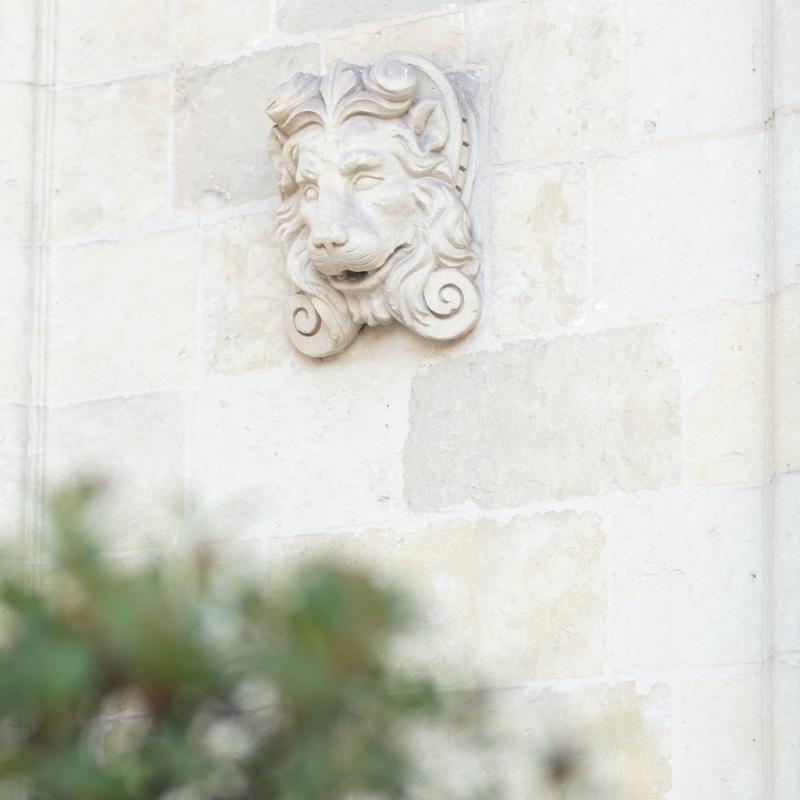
<point x="121" y="684"/>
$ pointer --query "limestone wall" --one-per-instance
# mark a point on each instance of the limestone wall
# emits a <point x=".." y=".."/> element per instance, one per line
<point x="596" y="494"/>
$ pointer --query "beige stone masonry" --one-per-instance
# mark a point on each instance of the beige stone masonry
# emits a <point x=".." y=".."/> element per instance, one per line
<point x="221" y="130"/>
<point x="124" y="316"/>
<point x="244" y="288"/>
<point x="13" y="434"/>
<point x="110" y="156"/>
<point x="543" y="421"/>
<point x="498" y="604"/>
<point x="594" y="495"/>
<point x="673" y="556"/>
<point x="540" y="236"/>
<point x="573" y="105"/>
<point x="135" y="446"/>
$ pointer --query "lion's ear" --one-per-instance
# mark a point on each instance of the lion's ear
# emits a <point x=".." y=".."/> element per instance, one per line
<point x="428" y="120"/>
<point x="275" y="143"/>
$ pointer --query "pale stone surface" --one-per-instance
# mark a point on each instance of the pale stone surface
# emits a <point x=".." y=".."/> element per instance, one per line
<point x="244" y="287"/>
<point x="16" y="160"/>
<point x="545" y="420"/>
<point x="499" y="604"/>
<point x="15" y="321"/>
<point x="717" y="728"/>
<point x="294" y="17"/>
<point x="221" y="131"/>
<point x="110" y="156"/>
<point x="301" y="449"/>
<point x="372" y="234"/>
<point x="438" y="38"/>
<point x="123" y="316"/>
<point x="99" y="41"/>
<point x="539" y="275"/>
<point x="203" y="31"/>
<point x="622" y="733"/>
<point x="726" y="420"/>
<point x="786" y="380"/>
<point x="787" y="199"/>
<point x="13" y="450"/>
<point x="786" y="730"/>
<point x="786" y="557"/>
<point x="135" y="446"/>
<point x="17" y="40"/>
<point x="786" y="43"/>
<point x="546" y="104"/>
<point x="678" y="228"/>
<point x="714" y="79"/>
<point x="686" y="579"/>
<point x="619" y="134"/>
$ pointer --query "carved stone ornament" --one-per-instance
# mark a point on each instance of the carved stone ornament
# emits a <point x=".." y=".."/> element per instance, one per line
<point x="376" y="165"/>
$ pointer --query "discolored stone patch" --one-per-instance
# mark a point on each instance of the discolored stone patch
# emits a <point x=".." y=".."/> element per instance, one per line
<point x="539" y="276"/>
<point x="544" y="420"/>
<point x="499" y="604"/>
<point x="221" y="130"/>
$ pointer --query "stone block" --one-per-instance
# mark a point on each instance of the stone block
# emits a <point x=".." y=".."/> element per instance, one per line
<point x="694" y="68"/>
<point x="203" y="31"/>
<point x="221" y="128"/>
<point x="787" y="200"/>
<point x="726" y="420"/>
<point x="539" y="271"/>
<point x="123" y="316"/>
<point x="110" y="156"/>
<point x="15" y="321"/>
<point x="785" y="558"/>
<point x="438" y="38"/>
<point x="786" y="58"/>
<point x="325" y="15"/>
<point x="620" y="734"/>
<point x="717" y="730"/>
<point x="304" y="448"/>
<point x="498" y="604"/>
<point x="786" y="727"/>
<point x="13" y="460"/>
<point x="16" y="160"/>
<point x="557" y="76"/>
<point x="135" y="446"/>
<point x="544" y="420"/>
<point x="786" y="380"/>
<point x="244" y="289"/>
<point x="17" y="41"/>
<point x="686" y="579"/>
<point x="100" y="41"/>
<point x="679" y="228"/>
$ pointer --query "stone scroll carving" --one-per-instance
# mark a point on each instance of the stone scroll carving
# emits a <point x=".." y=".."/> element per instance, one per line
<point x="376" y="166"/>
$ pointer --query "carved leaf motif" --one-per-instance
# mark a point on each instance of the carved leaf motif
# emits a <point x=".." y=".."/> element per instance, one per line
<point x="340" y="81"/>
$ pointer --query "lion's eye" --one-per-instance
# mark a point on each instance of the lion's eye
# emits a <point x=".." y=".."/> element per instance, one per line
<point x="366" y="181"/>
<point x="310" y="193"/>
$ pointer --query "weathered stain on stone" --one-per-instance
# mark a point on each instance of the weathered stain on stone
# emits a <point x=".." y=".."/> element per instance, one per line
<point x="498" y="603"/>
<point x="544" y="420"/>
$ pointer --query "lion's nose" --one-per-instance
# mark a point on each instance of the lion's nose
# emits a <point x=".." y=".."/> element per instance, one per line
<point x="329" y="238"/>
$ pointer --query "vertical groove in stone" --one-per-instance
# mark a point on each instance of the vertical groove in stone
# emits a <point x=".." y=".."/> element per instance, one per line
<point x="767" y="566"/>
<point x="41" y="180"/>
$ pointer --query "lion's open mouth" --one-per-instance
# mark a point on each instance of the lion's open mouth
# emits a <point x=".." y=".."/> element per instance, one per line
<point x="352" y="278"/>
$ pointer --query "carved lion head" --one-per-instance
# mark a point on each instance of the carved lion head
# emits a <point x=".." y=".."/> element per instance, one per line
<point x="375" y="163"/>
